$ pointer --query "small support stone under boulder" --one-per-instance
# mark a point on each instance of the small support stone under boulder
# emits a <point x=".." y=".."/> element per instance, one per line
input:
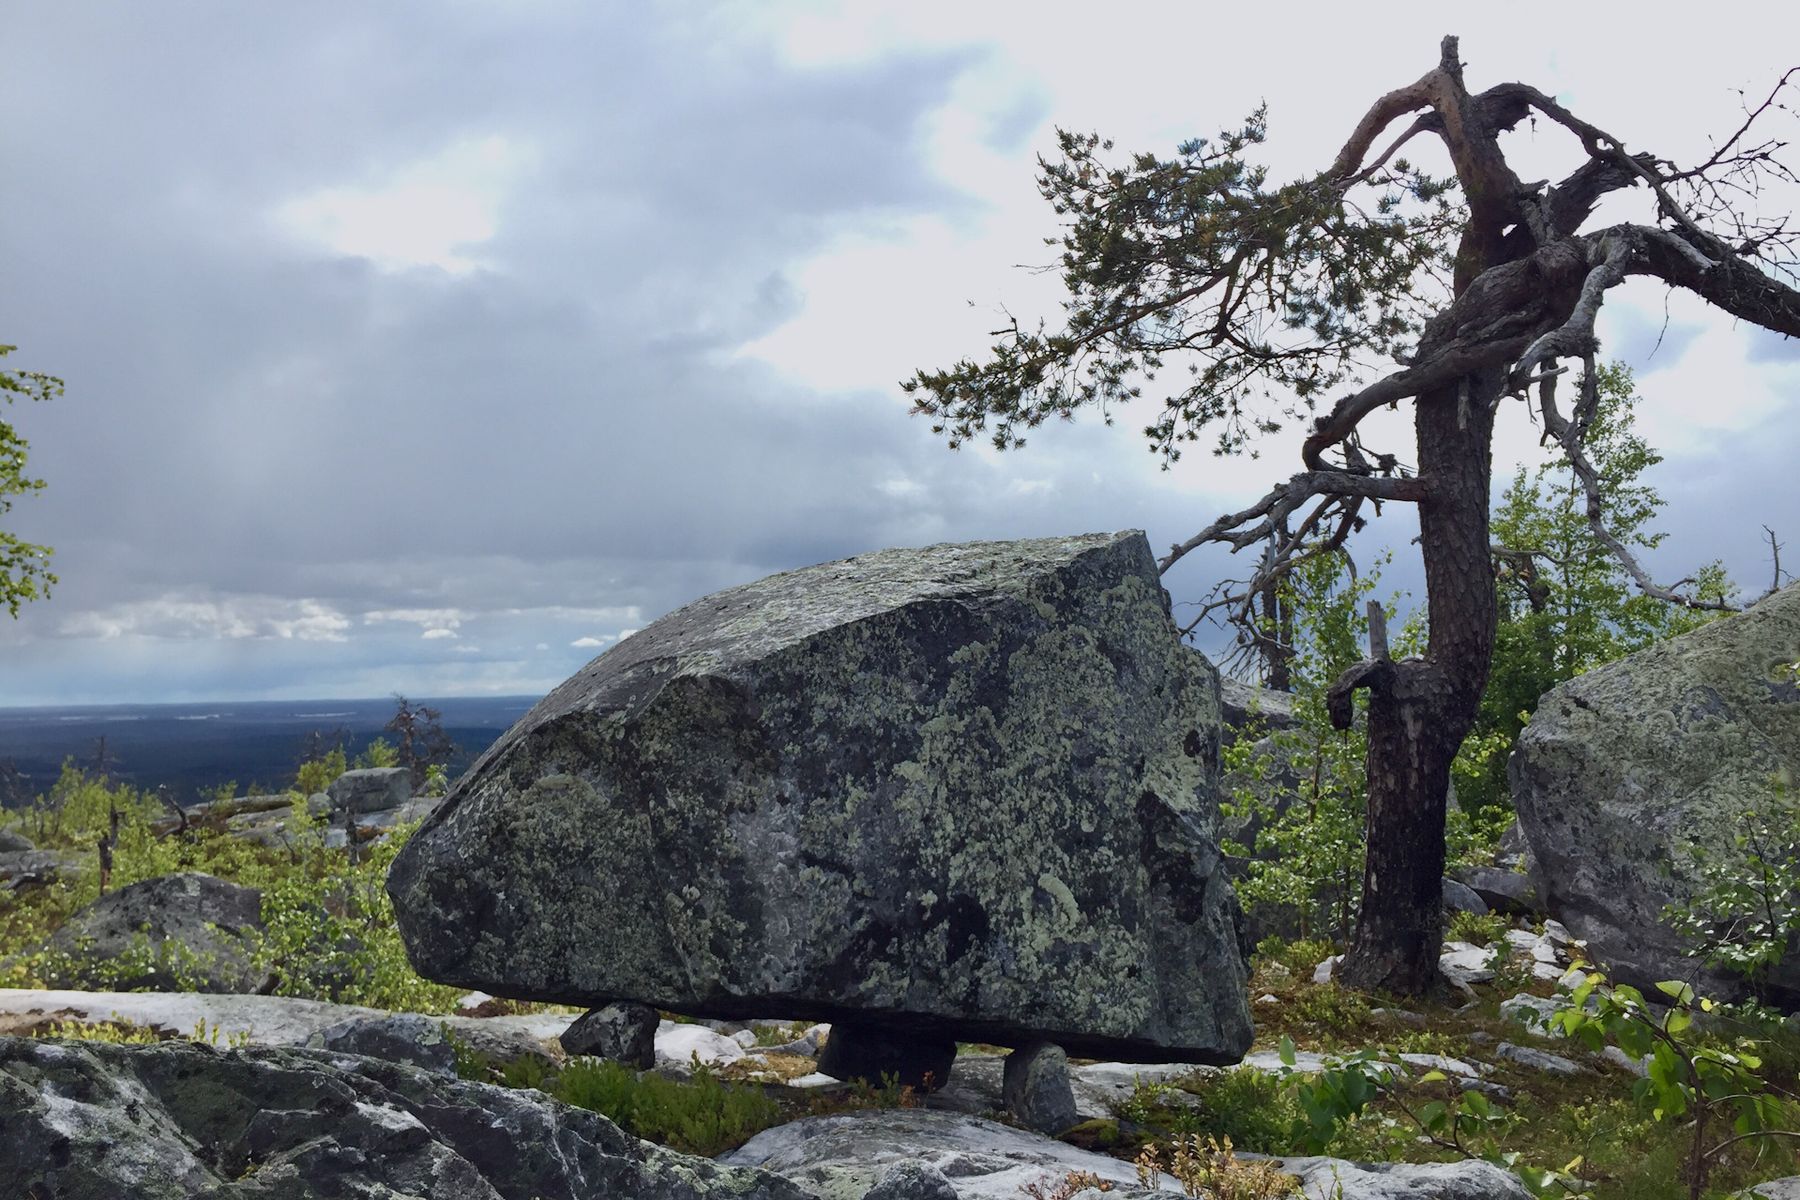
<point x="622" y="1031"/>
<point x="1037" y="1090"/>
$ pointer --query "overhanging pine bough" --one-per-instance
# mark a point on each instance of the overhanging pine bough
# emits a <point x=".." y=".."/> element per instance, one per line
<point x="1284" y="294"/>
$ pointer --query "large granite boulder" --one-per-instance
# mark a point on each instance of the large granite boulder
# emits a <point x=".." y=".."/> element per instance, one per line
<point x="185" y="932"/>
<point x="1624" y="772"/>
<point x="966" y="791"/>
<point x="90" y="1121"/>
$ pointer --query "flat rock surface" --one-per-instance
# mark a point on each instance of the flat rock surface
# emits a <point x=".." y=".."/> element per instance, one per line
<point x="968" y="791"/>
<point x="841" y="1157"/>
<point x="260" y="1020"/>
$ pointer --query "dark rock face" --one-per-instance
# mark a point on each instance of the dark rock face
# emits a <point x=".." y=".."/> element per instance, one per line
<point x="625" y="1033"/>
<point x="86" y="1121"/>
<point x="372" y="789"/>
<point x="912" y="1181"/>
<point x="1460" y="897"/>
<point x="1625" y="771"/>
<point x="969" y="791"/>
<point x="20" y="869"/>
<point x="12" y="841"/>
<point x="873" y="1053"/>
<point x="1502" y="890"/>
<point x="402" y="1038"/>
<point x="1037" y="1090"/>
<point x="189" y="931"/>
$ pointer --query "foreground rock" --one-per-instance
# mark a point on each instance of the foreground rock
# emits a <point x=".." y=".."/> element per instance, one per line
<point x="1625" y="770"/>
<point x="843" y="1157"/>
<point x="966" y="791"/>
<point x="190" y="932"/>
<point x="85" y="1120"/>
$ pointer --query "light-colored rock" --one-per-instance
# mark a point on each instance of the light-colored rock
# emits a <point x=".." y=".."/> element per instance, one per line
<point x="1625" y="771"/>
<point x="842" y="1157"/>
<point x="1335" y="1179"/>
<point x="1446" y="1064"/>
<point x="1325" y="970"/>
<point x="1778" y="1189"/>
<point x="1530" y="1011"/>
<point x="968" y="791"/>
<point x="1464" y="964"/>
<point x="173" y="1120"/>
<point x="280" y="1021"/>
<point x="1538" y="1060"/>
<point x="1637" y="1066"/>
<point x="681" y="1044"/>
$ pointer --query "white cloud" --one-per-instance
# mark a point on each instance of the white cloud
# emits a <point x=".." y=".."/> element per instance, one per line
<point x="430" y="213"/>
<point x="229" y="618"/>
<point x="433" y="635"/>
<point x="427" y="618"/>
<point x="588" y="643"/>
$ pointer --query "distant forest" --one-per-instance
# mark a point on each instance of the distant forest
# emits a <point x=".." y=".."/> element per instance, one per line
<point x="193" y="749"/>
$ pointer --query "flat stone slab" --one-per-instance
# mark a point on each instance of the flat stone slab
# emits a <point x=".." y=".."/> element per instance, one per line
<point x="966" y="792"/>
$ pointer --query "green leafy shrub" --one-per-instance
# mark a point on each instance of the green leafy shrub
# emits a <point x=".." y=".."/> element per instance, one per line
<point x="1713" y="1088"/>
<point x="1245" y="1107"/>
<point x="1746" y="916"/>
<point x="1480" y="929"/>
<point x="703" y="1116"/>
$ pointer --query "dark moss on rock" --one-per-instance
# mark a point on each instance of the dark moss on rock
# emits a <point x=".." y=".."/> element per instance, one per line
<point x="968" y="791"/>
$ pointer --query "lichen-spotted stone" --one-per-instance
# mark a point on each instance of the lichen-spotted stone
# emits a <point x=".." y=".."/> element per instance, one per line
<point x="1629" y="776"/>
<point x="968" y="790"/>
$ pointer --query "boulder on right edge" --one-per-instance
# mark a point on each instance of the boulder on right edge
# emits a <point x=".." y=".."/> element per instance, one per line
<point x="1625" y="772"/>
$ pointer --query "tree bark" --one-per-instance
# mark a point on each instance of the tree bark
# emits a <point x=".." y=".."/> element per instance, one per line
<point x="1421" y="709"/>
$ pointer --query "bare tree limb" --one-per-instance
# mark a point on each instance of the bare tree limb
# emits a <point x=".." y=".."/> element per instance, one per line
<point x="1569" y="434"/>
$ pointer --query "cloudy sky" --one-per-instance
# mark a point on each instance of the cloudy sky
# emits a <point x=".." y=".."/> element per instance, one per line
<point x="433" y="347"/>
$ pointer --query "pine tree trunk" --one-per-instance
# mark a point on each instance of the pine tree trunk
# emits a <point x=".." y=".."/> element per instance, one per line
<point x="1420" y="710"/>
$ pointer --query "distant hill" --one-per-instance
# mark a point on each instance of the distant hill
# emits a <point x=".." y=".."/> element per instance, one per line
<point x="191" y="747"/>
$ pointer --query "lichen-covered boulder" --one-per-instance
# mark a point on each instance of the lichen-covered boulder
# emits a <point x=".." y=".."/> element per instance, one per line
<point x="967" y="791"/>
<point x="174" y="1120"/>
<point x="183" y="932"/>
<point x="1625" y="771"/>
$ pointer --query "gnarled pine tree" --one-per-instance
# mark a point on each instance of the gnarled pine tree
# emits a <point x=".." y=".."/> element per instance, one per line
<point x="1476" y="284"/>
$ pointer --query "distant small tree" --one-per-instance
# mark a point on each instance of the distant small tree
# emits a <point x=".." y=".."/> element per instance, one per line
<point x="24" y="569"/>
<point x="420" y="740"/>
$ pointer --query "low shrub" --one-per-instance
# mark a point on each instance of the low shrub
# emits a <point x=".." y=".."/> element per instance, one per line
<point x="703" y="1116"/>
